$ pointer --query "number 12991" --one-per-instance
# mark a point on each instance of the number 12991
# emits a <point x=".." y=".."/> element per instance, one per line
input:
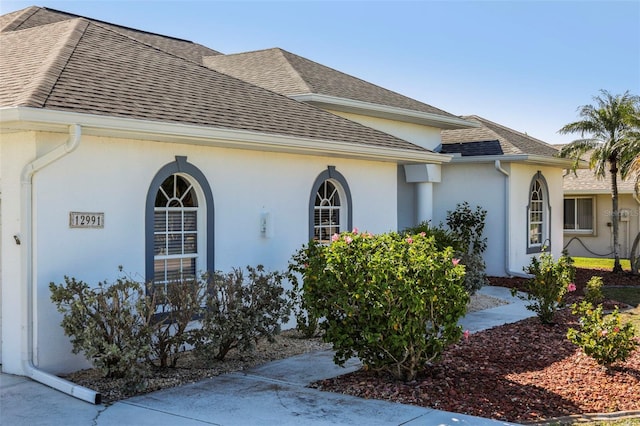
<point x="86" y="220"/>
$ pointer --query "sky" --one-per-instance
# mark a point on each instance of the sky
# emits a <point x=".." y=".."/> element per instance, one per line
<point x="527" y="65"/>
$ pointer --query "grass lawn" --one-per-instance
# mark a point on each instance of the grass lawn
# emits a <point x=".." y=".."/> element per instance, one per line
<point x="599" y="263"/>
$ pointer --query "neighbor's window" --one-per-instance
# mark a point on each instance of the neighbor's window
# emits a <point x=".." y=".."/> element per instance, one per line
<point x="578" y="214"/>
<point x="175" y="231"/>
<point x="538" y="216"/>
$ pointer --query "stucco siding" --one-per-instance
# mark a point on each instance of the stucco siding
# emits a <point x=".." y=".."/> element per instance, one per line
<point x="600" y="244"/>
<point x="112" y="176"/>
<point x="424" y="136"/>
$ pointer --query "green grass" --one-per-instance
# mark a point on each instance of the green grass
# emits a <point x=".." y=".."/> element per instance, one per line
<point x="599" y="263"/>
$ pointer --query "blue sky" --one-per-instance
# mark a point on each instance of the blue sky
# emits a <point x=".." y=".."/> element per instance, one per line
<point x="527" y="65"/>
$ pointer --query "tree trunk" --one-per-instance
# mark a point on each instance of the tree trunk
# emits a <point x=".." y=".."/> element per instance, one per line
<point x="615" y="216"/>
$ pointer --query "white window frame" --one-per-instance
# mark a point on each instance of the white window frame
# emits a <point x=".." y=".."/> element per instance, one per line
<point x="575" y="229"/>
<point x="326" y="208"/>
<point x="538" y="215"/>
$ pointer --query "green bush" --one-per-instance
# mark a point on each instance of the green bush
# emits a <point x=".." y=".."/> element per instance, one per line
<point x="391" y="300"/>
<point x="176" y="306"/>
<point x="239" y="311"/>
<point x="593" y="290"/>
<point x="443" y="238"/>
<point x="111" y="324"/>
<point x="602" y="337"/>
<point x="550" y="282"/>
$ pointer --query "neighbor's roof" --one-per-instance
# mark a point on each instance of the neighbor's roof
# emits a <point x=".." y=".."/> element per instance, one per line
<point x="492" y="139"/>
<point x="288" y="74"/>
<point x="584" y="181"/>
<point x="84" y="66"/>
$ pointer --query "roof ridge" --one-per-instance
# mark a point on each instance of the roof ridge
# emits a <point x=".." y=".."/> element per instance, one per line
<point x="20" y="17"/>
<point x="294" y="72"/>
<point x="39" y="89"/>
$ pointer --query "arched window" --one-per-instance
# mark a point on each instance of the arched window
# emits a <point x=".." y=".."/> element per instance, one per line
<point x="538" y="216"/>
<point x="179" y="224"/>
<point x="329" y="206"/>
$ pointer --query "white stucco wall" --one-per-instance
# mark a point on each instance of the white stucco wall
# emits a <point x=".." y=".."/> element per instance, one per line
<point x="113" y="176"/>
<point x="424" y="136"/>
<point x="600" y="244"/>
<point x="480" y="184"/>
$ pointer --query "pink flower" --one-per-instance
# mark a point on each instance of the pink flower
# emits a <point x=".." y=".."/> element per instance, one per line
<point x="616" y="329"/>
<point x="455" y="261"/>
<point x="466" y="335"/>
<point x="410" y="240"/>
<point x="306" y="265"/>
<point x="348" y="239"/>
<point x="335" y="237"/>
<point x="355" y="230"/>
<point x="571" y="287"/>
<point x="423" y="234"/>
<point x="603" y="333"/>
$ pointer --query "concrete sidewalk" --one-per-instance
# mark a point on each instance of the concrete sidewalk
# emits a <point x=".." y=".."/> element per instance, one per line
<point x="271" y="394"/>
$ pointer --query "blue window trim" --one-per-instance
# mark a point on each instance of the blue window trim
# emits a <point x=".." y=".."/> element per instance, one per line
<point x="179" y="166"/>
<point x="330" y="174"/>
<point x="546" y="205"/>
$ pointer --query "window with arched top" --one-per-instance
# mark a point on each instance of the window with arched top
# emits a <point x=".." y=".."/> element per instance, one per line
<point x="179" y="224"/>
<point x="329" y="206"/>
<point x="538" y="216"/>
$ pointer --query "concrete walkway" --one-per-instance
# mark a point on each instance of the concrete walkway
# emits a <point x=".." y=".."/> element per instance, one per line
<point x="271" y="394"/>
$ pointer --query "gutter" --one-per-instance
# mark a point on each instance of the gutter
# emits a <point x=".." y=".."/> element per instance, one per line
<point x="28" y="286"/>
<point x="507" y="227"/>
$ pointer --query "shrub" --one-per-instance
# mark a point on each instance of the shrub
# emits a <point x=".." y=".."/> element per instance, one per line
<point x="603" y="338"/>
<point x="111" y="324"/>
<point x="593" y="290"/>
<point x="239" y="312"/>
<point x="443" y="238"/>
<point x="550" y="282"/>
<point x="176" y="306"/>
<point x="391" y="300"/>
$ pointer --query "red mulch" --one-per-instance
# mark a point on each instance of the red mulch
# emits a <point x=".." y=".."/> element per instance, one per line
<point x="520" y="372"/>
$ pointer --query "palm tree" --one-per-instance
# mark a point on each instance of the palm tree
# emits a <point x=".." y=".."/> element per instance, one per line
<point x="610" y="133"/>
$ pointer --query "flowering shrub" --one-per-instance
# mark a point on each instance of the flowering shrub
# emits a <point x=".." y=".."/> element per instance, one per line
<point x="550" y="282"/>
<point x="593" y="291"/>
<point x="604" y="338"/>
<point x="391" y="300"/>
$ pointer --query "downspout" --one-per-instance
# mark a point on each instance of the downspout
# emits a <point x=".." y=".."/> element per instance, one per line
<point x="507" y="227"/>
<point x="29" y="303"/>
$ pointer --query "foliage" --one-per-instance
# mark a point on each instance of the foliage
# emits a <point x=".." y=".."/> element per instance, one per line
<point x="391" y="300"/>
<point x="239" y="311"/>
<point x="602" y="337"/>
<point x="550" y="282"/>
<point x="111" y="324"/>
<point x="176" y="305"/>
<point x="610" y="136"/>
<point x="443" y="237"/>
<point x="593" y="290"/>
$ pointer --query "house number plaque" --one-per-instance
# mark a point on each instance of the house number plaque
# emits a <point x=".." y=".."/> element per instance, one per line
<point x="86" y="220"/>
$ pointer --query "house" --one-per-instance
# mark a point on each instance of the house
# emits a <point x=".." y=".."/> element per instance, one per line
<point x="121" y="147"/>
<point x="587" y="215"/>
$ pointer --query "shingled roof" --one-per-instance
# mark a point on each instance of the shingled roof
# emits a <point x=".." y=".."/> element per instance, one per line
<point x="289" y="74"/>
<point x="492" y="139"/>
<point x="584" y="181"/>
<point x="85" y="66"/>
<point x="36" y="16"/>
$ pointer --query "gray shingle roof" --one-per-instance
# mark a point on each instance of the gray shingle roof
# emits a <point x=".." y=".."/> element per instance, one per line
<point x="36" y="16"/>
<point x="584" y="181"/>
<point x="84" y="66"/>
<point x="288" y="74"/>
<point x="492" y="139"/>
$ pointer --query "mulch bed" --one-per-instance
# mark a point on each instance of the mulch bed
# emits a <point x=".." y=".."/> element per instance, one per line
<point x="521" y="372"/>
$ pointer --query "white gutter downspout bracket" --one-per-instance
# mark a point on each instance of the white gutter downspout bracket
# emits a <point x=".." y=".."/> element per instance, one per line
<point x="507" y="225"/>
<point x="29" y="307"/>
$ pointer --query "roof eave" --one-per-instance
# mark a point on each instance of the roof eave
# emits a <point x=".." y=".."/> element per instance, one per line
<point x="515" y="158"/>
<point x="384" y="111"/>
<point x="14" y="119"/>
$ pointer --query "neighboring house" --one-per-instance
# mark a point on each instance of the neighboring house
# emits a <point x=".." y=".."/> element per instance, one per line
<point x="517" y="179"/>
<point x="121" y="147"/>
<point x="587" y="215"/>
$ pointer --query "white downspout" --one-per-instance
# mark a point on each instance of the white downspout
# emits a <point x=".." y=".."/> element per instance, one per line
<point x="507" y="225"/>
<point x="28" y="285"/>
